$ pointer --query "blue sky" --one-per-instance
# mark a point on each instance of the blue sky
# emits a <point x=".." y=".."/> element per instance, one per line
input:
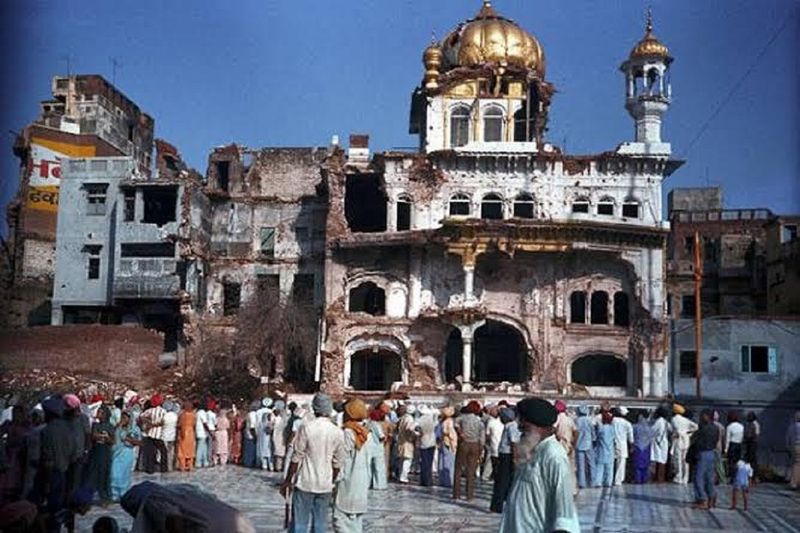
<point x="295" y="72"/>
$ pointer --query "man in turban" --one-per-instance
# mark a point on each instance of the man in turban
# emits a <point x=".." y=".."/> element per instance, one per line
<point x="682" y="429"/>
<point x="352" y="491"/>
<point x="152" y="422"/>
<point x="541" y="497"/>
<point x="319" y="453"/>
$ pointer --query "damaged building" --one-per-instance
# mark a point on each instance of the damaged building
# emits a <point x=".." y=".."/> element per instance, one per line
<point x="121" y="253"/>
<point x="490" y="259"/>
<point x="86" y="117"/>
<point x="486" y="260"/>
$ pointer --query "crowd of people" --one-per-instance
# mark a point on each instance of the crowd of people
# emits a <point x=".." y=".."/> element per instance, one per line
<point x="68" y="452"/>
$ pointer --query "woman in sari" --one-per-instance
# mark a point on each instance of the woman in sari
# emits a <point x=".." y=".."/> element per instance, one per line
<point x="186" y="437"/>
<point x="123" y="456"/>
<point x="642" y="439"/>
<point x="100" y="454"/>
<point x="235" y="436"/>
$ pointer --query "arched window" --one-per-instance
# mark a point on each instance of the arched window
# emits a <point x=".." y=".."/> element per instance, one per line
<point x="580" y="205"/>
<point x="599" y="307"/>
<point x="493" y="124"/>
<point x="492" y="207"/>
<point x="577" y="307"/>
<point x="630" y="209"/>
<point x="606" y="206"/>
<point x="459" y="126"/>
<point x="459" y="205"/>
<point x="621" y="310"/>
<point x="403" y="221"/>
<point x="523" y="206"/>
<point x="367" y="298"/>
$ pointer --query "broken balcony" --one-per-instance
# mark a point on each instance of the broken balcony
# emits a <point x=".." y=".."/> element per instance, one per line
<point x="147" y="271"/>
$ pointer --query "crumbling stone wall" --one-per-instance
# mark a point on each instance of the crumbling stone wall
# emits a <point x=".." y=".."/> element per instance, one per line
<point x="123" y="353"/>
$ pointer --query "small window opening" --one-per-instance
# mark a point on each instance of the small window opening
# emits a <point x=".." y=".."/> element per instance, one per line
<point x="148" y="249"/>
<point x="367" y="298"/>
<point x="577" y="307"/>
<point x="580" y="206"/>
<point x="223" y="174"/>
<point x="96" y="198"/>
<point x="268" y="288"/>
<point x="599" y="307"/>
<point x="492" y="207"/>
<point x="267" y="242"/>
<point x="130" y="205"/>
<point x="687" y="306"/>
<point x="523" y="206"/>
<point x="232" y="298"/>
<point x="688" y="364"/>
<point x="493" y="125"/>
<point x="365" y="203"/>
<point x="403" y="214"/>
<point x="621" y="310"/>
<point x="459" y="205"/>
<point x="94" y="261"/>
<point x="159" y="205"/>
<point x="605" y="207"/>
<point x="303" y="289"/>
<point x="459" y="126"/>
<point x="630" y="210"/>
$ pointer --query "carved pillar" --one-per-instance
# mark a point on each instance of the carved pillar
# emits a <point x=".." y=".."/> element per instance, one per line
<point x="469" y="284"/>
<point x="466" y="355"/>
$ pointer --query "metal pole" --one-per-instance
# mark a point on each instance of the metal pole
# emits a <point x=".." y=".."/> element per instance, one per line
<point x="698" y="319"/>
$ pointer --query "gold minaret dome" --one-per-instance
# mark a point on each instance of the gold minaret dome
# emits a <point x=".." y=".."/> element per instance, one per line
<point x="649" y="46"/>
<point x="490" y="38"/>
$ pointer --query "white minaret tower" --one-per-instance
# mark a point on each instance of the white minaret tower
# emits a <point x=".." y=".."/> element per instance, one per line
<point x="648" y="93"/>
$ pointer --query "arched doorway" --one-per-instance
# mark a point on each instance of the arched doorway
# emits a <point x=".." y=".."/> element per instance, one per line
<point x="453" y="356"/>
<point x="374" y="369"/>
<point x="500" y="354"/>
<point x="600" y="370"/>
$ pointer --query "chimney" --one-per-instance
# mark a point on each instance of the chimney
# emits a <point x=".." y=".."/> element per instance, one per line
<point x="359" y="149"/>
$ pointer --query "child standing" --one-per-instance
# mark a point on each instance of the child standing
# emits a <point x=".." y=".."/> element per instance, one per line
<point x="741" y="482"/>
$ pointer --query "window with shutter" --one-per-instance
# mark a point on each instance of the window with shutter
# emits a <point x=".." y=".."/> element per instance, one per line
<point x="268" y="241"/>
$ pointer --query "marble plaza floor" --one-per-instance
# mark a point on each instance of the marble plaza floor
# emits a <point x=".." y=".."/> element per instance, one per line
<point x="408" y="508"/>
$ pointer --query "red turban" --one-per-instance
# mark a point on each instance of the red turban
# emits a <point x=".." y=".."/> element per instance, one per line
<point x="156" y="400"/>
<point x="376" y="415"/>
<point x="560" y="406"/>
<point x="474" y="407"/>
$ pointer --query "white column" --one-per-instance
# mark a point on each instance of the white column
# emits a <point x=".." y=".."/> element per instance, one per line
<point x="391" y="215"/>
<point x="657" y="379"/>
<point x="56" y="316"/>
<point x="466" y="355"/>
<point x="138" y="205"/>
<point x="469" y="284"/>
<point x="415" y="283"/>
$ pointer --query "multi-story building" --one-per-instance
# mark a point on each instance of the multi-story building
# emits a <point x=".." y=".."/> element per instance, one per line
<point x="87" y="117"/>
<point x="783" y="266"/>
<point x="119" y="252"/>
<point x="490" y="258"/>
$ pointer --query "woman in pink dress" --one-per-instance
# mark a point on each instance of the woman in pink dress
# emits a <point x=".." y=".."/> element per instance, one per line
<point x="221" y="438"/>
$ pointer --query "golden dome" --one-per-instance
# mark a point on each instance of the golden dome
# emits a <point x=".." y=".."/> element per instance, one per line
<point x="649" y="46"/>
<point x="491" y="38"/>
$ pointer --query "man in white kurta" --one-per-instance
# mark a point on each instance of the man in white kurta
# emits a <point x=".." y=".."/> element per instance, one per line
<point x="682" y="429"/>
<point x="659" y="449"/>
<point x="541" y="497"/>
<point x="623" y="438"/>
